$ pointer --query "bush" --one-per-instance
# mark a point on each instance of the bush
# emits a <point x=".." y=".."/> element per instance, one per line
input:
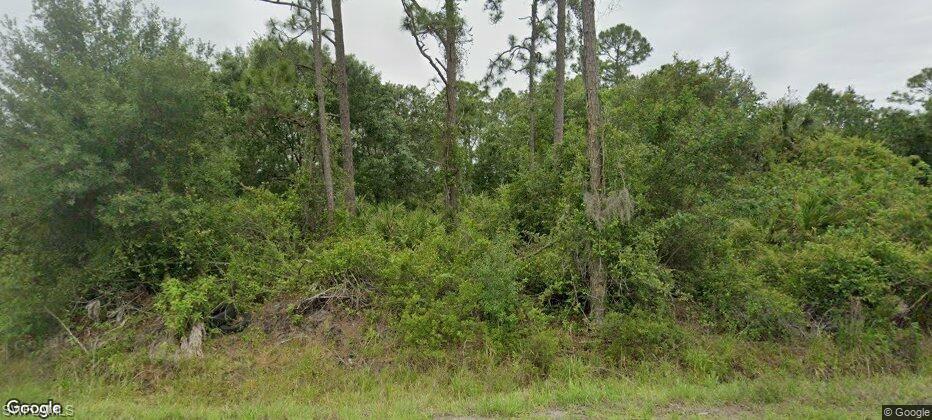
<point x="878" y="347"/>
<point x="437" y="289"/>
<point x="183" y="304"/>
<point x="843" y="221"/>
<point x="635" y="338"/>
<point x="737" y="300"/>
<point x="236" y="251"/>
<point x="643" y="282"/>
<point x="460" y="287"/>
<point x="541" y="349"/>
<point x="25" y="294"/>
<point x="771" y="315"/>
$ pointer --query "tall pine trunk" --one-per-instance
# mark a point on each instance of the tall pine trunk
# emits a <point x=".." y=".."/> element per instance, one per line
<point x="597" y="280"/>
<point x="560" y="83"/>
<point x="349" y="167"/>
<point x="448" y="149"/>
<point x="322" y="110"/>
<point x="532" y="78"/>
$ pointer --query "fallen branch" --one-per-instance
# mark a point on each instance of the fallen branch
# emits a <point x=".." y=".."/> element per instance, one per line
<point x="62" y="323"/>
<point x="916" y="303"/>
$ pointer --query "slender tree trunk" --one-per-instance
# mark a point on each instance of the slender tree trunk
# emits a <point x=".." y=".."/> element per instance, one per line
<point x="308" y="163"/>
<point x="448" y="150"/>
<point x="322" y="110"/>
<point x="532" y="78"/>
<point x="597" y="280"/>
<point x="582" y="45"/>
<point x="559" y="101"/>
<point x="349" y="167"/>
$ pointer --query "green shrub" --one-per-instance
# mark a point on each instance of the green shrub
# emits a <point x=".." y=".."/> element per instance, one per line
<point x="739" y="301"/>
<point x="844" y="220"/>
<point x="458" y="288"/>
<point x="536" y="200"/>
<point x="552" y="277"/>
<point x="634" y="338"/>
<point x="541" y="349"/>
<point x="182" y="304"/>
<point x="26" y="293"/>
<point x="842" y="267"/>
<point x="645" y="283"/>
<point x="402" y="227"/>
<point x="437" y="289"/>
<point x="771" y="314"/>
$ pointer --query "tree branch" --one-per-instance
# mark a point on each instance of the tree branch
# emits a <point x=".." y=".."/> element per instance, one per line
<point x="417" y="34"/>
<point x="291" y="4"/>
<point x="62" y="323"/>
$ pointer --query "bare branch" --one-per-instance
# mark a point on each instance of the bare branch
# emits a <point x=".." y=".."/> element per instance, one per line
<point x="417" y="34"/>
<point x="288" y="39"/>
<point x="328" y="38"/>
<point x="62" y="323"/>
<point x="291" y="4"/>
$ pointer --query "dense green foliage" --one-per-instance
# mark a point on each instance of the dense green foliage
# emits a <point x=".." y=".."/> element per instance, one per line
<point x="134" y="162"/>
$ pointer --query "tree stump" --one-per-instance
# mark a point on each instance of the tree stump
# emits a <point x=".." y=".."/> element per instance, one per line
<point x="192" y="345"/>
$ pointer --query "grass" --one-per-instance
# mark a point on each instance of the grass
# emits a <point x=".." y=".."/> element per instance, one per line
<point x="384" y="397"/>
<point x="301" y="380"/>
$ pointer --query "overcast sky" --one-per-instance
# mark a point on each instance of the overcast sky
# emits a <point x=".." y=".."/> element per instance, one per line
<point x="873" y="45"/>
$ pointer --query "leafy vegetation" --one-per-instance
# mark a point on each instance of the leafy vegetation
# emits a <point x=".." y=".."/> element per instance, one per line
<point x="149" y="185"/>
